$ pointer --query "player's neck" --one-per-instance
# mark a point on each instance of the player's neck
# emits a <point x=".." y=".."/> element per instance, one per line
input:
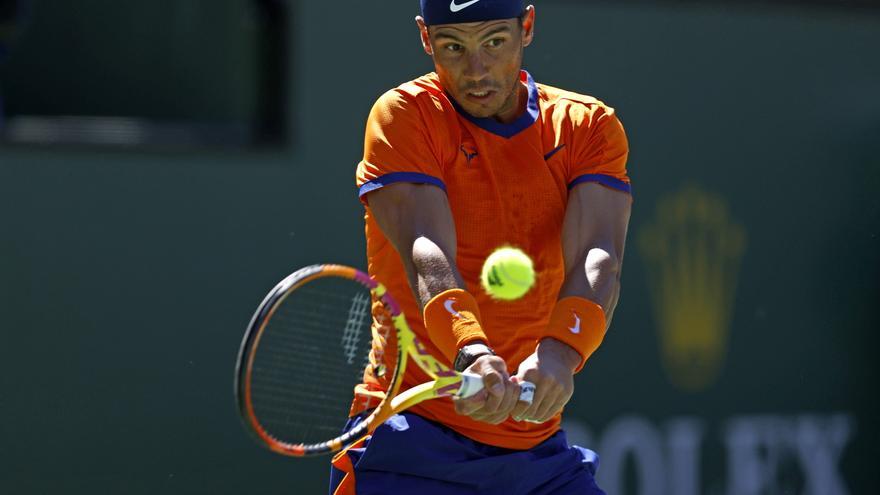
<point x="517" y="106"/>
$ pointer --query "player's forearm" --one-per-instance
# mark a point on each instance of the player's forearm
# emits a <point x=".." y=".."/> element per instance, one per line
<point x="595" y="276"/>
<point x="609" y="313"/>
<point x="586" y="303"/>
<point x="432" y="270"/>
<point x="593" y="240"/>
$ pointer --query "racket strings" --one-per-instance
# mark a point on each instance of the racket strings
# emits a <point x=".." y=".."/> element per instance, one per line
<point x="311" y="355"/>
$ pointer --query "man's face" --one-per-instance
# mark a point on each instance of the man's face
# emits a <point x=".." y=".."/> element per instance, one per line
<point x="479" y="63"/>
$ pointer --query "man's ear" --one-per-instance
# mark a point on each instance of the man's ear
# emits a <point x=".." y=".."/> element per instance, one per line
<point x="528" y="26"/>
<point x="423" y="33"/>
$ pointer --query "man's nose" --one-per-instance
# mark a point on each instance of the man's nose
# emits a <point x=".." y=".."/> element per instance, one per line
<point x="475" y="66"/>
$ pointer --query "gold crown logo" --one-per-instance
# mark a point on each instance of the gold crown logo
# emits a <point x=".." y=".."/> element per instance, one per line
<point x="693" y="251"/>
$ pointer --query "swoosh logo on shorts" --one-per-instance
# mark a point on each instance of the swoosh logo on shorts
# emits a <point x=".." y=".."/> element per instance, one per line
<point x="448" y="305"/>
<point x="456" y="7"/>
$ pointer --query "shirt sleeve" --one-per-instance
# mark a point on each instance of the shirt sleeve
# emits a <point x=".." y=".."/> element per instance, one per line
<point x="601" y="151"/>
<point x="397" y="146"/>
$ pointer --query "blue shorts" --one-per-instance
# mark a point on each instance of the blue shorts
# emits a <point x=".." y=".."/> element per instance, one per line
<point x="411" y="455"/>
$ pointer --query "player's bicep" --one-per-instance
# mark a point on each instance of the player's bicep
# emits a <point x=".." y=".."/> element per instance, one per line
<point x="406" y="211"/>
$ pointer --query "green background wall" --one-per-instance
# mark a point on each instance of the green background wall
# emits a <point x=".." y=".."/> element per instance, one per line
<point x="126" y="278"/>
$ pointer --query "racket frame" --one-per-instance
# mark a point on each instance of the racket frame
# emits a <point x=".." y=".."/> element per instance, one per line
<point x="445" y="381"/>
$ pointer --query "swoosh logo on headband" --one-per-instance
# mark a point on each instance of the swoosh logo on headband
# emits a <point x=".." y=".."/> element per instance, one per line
<point x="456" y="7"/>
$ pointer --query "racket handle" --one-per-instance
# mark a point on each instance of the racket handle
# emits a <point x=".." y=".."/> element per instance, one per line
<point x="471" y="384"/>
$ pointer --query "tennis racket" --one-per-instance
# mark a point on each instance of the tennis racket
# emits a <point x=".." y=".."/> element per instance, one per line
<point x="307" y="347"/>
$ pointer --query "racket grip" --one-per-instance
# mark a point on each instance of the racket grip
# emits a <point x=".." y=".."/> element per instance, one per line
<point x="471" y="384"/>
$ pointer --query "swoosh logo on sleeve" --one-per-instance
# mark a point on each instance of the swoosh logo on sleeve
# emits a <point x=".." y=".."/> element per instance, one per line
<point x="577" y="324"/>
<point x="458" y="7"/>
<point x="448" y="305"/>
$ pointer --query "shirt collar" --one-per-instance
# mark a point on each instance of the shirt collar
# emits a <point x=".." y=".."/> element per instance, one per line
<point x="513" y="128"/>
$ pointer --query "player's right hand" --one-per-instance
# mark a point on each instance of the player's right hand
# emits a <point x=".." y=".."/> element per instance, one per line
<point x="495" y="402"/>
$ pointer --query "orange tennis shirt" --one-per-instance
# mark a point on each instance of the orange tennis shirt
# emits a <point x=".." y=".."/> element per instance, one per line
<point x="507" y="184"/>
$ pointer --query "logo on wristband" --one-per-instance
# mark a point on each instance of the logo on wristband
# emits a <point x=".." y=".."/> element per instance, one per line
<point x="448" y="305"/>
<point x="576" y="329"/>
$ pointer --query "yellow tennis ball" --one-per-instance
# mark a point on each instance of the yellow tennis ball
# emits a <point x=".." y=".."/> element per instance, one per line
<point x="508" y="274"/>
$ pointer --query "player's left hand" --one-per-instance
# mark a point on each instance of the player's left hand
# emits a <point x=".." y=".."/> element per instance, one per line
<point x="551" y="368"/>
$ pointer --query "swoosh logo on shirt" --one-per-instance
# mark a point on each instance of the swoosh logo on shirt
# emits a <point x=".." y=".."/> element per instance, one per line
<point x="457" y="7"/>
<point x="448" y="305"/>
<point x="555" y="150"/>
<point x="577" y="324"/>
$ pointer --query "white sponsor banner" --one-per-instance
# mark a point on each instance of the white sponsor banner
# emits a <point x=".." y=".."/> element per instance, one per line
<point x="762" y="454"/>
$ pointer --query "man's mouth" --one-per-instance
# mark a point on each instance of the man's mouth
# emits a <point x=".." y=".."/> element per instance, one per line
<point x="480" y="95"/>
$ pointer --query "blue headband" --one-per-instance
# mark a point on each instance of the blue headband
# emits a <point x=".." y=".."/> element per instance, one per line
<point x="459" y="11"/>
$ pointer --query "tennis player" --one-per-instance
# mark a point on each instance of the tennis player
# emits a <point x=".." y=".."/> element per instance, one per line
<point x="457" y="163"/>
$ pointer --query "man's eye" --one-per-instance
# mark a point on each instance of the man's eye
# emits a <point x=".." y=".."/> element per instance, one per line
<point x="454" y="47"/>
<point x="495" y="42"/>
